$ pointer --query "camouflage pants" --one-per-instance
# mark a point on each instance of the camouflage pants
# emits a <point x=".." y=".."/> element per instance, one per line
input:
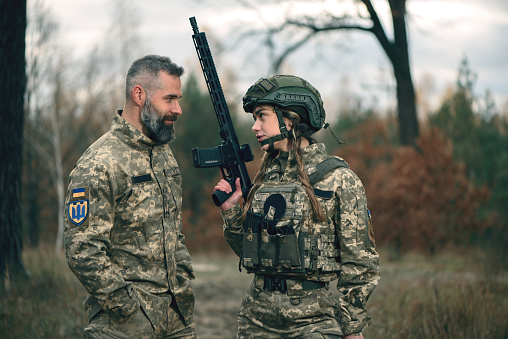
<point x="297" y="313"/>
<point x="165" y="322"/>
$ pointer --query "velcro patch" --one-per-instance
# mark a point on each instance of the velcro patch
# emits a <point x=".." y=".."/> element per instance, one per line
<point x="141" y="179"/>
<point x="171" y="172"/>
<point x="266" y="85"/>
<point x="323" y="194"/>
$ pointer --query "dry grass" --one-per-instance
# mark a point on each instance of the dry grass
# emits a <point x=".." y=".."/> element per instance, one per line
<point x="446" y="296"/>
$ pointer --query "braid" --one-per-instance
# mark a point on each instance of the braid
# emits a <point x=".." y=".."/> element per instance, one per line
<point x="302" y="175"/>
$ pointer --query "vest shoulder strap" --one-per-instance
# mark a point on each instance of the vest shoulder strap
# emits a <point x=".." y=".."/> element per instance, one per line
<point x="324" y="167"/>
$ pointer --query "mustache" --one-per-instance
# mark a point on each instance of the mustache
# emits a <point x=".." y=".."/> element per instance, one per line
<point x="171" y="117"/>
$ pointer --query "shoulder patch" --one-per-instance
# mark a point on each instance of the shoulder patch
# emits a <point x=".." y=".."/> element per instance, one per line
<point x="78" y="207"/>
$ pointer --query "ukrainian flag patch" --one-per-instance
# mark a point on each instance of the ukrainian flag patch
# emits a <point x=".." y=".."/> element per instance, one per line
<point x="78" y="192"/>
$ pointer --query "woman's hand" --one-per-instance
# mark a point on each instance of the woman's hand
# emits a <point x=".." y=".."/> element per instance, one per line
<point x="224" y="186"/>
<point x="354" y="337"/>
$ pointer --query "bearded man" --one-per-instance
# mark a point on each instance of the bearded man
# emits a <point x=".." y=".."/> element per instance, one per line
<point x="123" y="216"/>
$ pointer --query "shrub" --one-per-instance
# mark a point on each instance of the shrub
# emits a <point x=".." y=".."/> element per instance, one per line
<point x="422" y="199"/>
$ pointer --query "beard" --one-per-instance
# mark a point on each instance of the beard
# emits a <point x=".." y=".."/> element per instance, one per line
<point x="154" y="123"/>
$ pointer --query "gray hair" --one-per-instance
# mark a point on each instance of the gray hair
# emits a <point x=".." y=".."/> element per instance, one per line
<point x="145" y="72"/>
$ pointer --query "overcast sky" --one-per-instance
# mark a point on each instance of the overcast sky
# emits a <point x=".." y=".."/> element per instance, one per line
<point x="441" y="33"/>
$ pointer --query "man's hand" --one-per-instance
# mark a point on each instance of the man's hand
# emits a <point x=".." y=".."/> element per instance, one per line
<point x="354" y="337"/>
<point x="224" y="186"/>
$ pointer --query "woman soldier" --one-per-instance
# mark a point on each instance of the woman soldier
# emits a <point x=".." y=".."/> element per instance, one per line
<point x="304" y="224"/>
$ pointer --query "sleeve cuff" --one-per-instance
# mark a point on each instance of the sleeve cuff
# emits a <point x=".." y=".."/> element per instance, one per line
<point x="231" y="216"/>
<point x="355" y="327"/>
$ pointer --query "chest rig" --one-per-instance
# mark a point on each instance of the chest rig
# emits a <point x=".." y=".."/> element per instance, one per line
<point x="280" y="236"/>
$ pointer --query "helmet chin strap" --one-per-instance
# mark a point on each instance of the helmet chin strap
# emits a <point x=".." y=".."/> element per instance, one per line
<point x="284" y="133"/>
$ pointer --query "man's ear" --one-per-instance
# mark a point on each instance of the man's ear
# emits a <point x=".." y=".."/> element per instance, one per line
<point x="138" y="95"/>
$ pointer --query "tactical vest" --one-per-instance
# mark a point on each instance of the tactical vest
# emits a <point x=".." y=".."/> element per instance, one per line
<point x="281" y="238"/>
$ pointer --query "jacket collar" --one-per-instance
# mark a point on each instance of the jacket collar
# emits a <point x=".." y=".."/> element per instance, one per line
<point x="285" y="163"/>
<point x="129" y="135"/>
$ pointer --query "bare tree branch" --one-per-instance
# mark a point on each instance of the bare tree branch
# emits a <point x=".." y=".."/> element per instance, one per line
<point x="276" y="64"/>
<point x="377" y="29"/>
<point x="307" y="27"/>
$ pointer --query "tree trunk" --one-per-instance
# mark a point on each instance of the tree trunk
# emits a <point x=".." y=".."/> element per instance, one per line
<point x="398" y="54"/>
<point x="31" y="212"/>
<point x="12" y="90"/>
<point x="408" y="122"/>
<point x="59" y="179"/>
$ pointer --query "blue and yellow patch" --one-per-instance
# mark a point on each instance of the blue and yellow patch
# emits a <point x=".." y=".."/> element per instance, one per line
<point x="78" y="209"/>
<point x="78" y="192"/>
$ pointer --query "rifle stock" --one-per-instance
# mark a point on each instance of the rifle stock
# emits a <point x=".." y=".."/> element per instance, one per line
<point x="229" y="156"/>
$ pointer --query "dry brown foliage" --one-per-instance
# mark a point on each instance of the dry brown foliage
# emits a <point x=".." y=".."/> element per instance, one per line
<point x="422" y="199"/>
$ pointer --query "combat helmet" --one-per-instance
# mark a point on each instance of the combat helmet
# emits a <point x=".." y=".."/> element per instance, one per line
<point x="287" y="92"/>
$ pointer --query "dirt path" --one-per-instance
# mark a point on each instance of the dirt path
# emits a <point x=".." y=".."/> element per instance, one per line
<point x="219" y="288"/>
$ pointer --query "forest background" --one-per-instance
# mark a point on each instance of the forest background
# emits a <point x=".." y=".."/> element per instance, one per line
<point x="439" y="206"/>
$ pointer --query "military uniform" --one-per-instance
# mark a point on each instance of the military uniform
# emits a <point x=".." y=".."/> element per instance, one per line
<point x="123" y="237"/>
<point x="290" y="296"/>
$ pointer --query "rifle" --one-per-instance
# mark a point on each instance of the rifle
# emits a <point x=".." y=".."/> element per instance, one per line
<point x="229" y="156"/>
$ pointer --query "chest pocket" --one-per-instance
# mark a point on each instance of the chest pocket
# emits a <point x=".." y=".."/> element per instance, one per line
<point x="172" y="190"/>
<point x="139" y="196"/>
<point x="274" y="232"/>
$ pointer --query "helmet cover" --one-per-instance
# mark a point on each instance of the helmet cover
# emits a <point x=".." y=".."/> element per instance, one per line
<point x="290" y="92"/>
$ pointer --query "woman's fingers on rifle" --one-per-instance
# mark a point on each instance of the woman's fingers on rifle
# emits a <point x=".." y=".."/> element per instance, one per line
<point x="222" y="185"/>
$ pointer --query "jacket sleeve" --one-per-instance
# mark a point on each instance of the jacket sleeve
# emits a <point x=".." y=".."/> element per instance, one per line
<point x="359" y="259"/>
<point x="184" y="274"/>
<point x="87" y="240"/>
<point x="233" y="228"/>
